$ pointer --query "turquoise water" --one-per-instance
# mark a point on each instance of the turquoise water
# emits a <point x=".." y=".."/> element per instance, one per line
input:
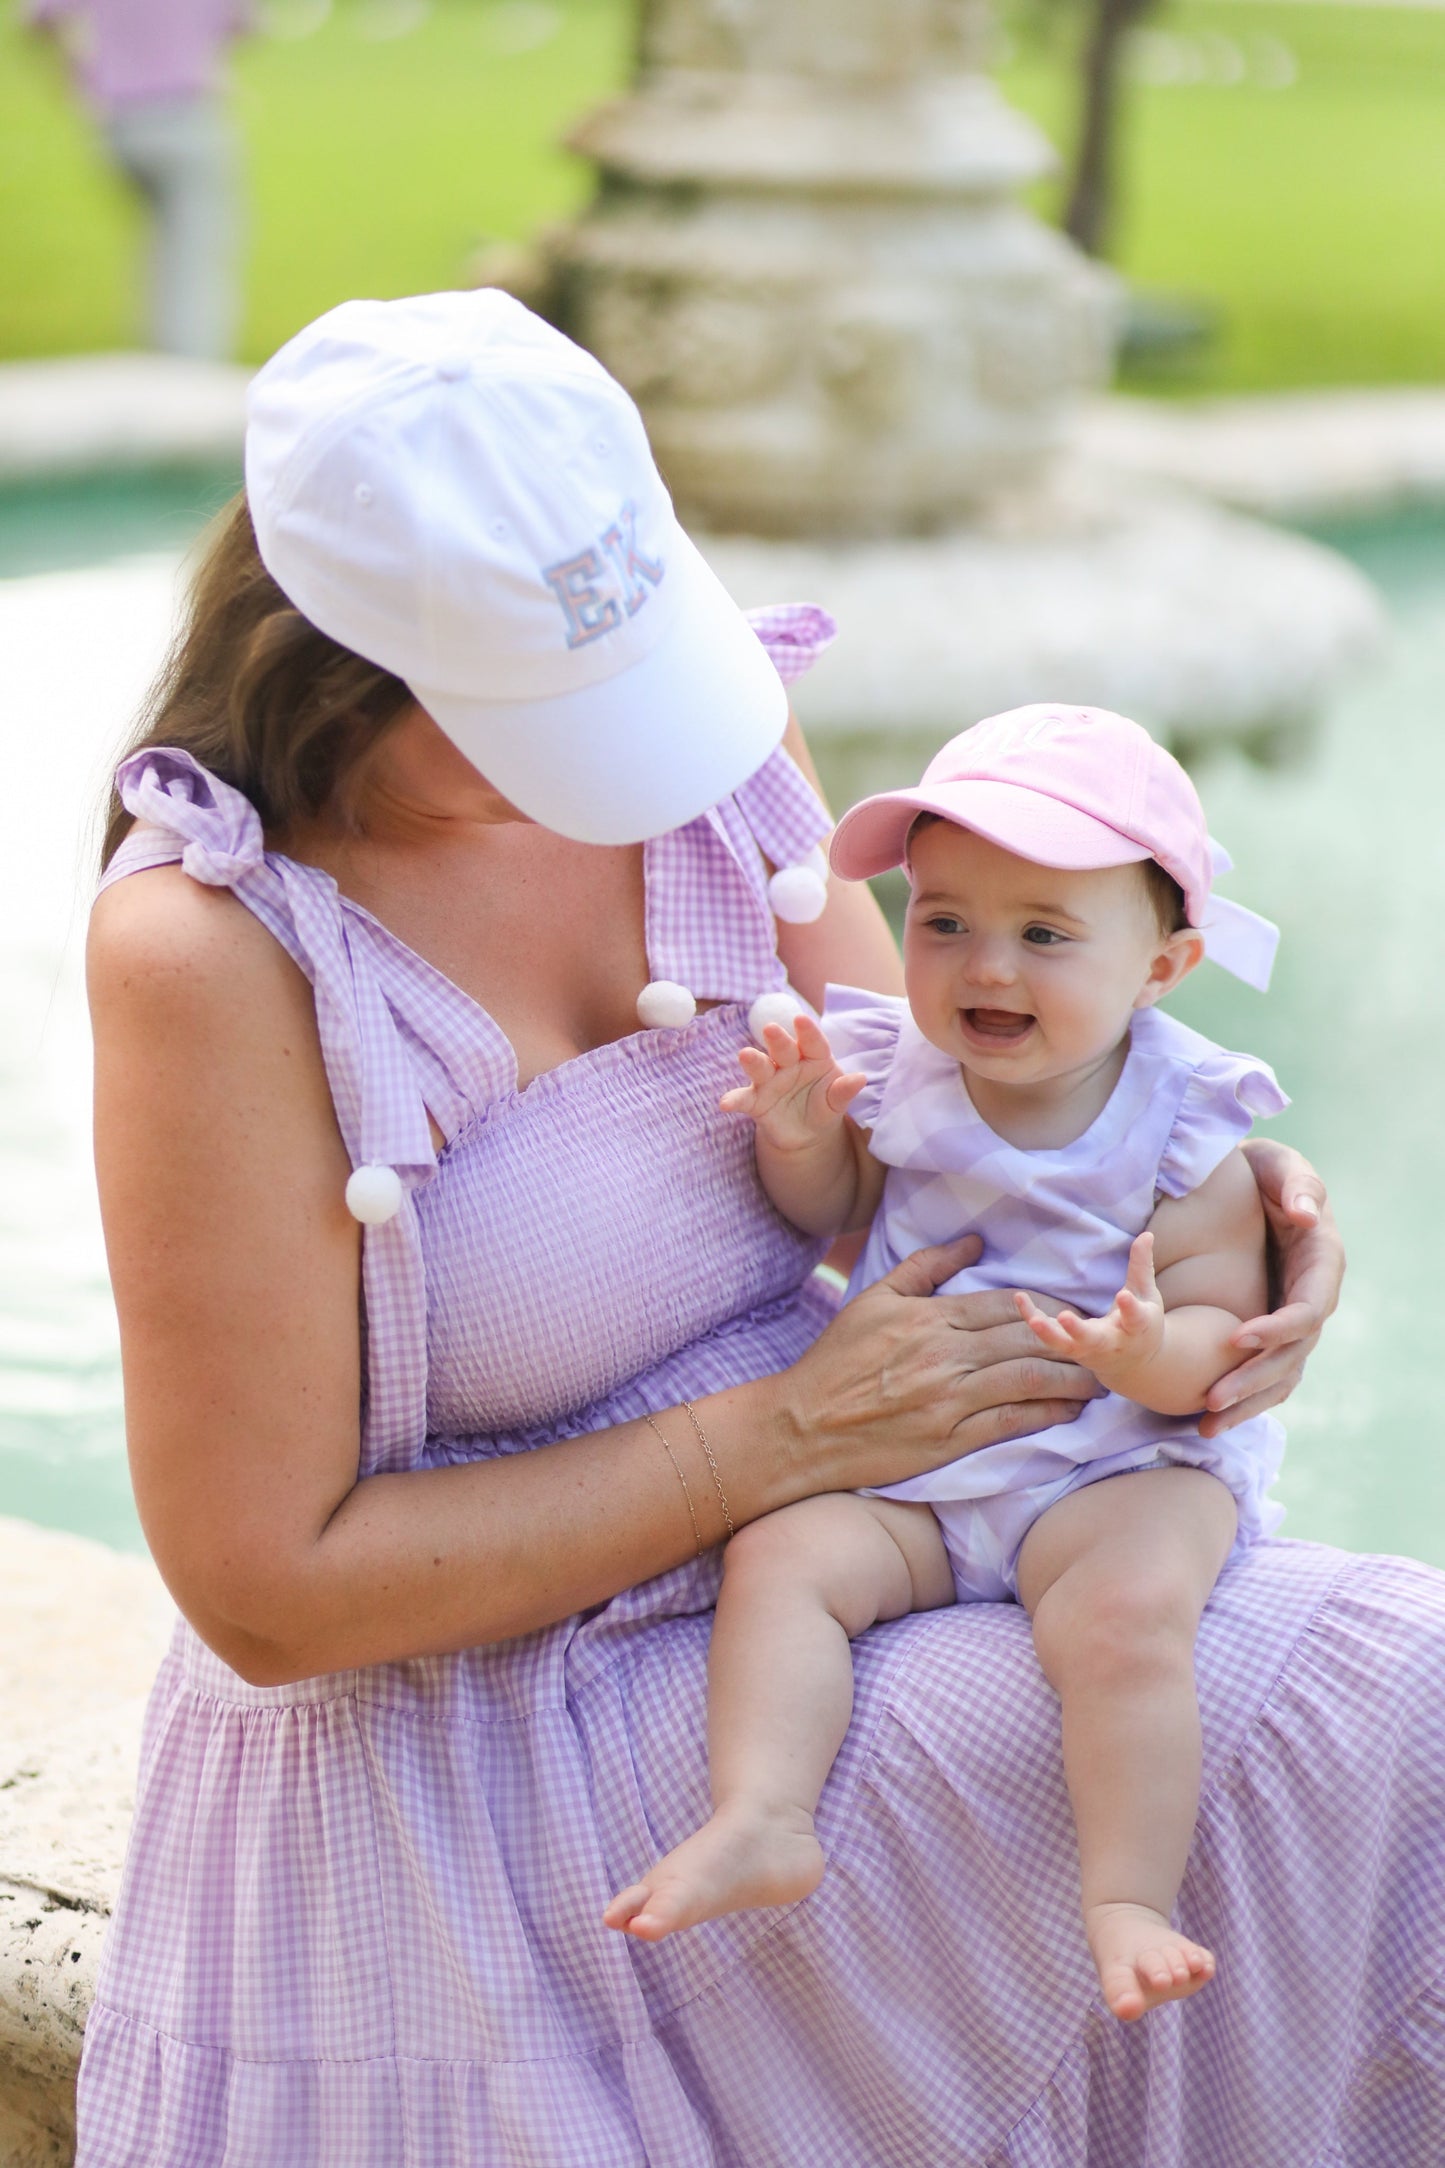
<point x="1347" y="852"/>
<point x="90" y="519"/>
<point x="1343" y="849"/>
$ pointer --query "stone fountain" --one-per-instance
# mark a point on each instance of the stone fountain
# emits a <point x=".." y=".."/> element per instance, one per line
<point x="862" y="362"/>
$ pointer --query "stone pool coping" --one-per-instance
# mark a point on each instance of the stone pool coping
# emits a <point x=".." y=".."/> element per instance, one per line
<point x="1297" y="455"/>
<point x="92" y="412"/>
<point x="1282" y="455"/>
<point x="82" y="1629"/>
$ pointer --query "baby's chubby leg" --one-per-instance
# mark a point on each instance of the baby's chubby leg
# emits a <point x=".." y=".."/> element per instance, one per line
<point x="798" y="1586"/>
<point x="1116" y="1576"/>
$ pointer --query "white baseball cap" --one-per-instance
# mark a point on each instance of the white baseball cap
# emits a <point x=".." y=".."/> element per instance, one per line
<point x="453" y="489"/>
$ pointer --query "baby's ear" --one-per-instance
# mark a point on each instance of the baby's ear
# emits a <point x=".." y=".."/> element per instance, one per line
<point x="1174" y="959"/>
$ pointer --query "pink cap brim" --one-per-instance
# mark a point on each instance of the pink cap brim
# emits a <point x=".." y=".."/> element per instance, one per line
<point x="871" y="837"/>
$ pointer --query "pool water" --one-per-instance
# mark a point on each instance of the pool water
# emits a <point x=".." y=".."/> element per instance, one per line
<point x="89" y="519"/>
<point x="1343" y="849"/>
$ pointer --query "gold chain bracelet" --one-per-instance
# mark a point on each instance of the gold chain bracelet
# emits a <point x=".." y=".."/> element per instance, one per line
<point x="722" y="1496"/>
<point x="682" y="1479"/>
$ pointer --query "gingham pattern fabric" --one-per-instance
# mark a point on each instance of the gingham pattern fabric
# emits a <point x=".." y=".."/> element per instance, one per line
<point x="1059" y="1223"/>
<point x="360" y="1921"/>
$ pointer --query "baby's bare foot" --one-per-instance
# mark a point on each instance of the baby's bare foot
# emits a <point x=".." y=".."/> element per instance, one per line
<point x="1142" y="1960"/>
<point x="742" y="1858"/>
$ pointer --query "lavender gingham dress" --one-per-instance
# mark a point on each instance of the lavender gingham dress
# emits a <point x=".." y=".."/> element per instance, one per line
<point x="360" y="1925"/>
<point x="1059" y="1222"/>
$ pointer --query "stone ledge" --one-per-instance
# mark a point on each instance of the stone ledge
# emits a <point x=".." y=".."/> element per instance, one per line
<point x="82" y="1629"/>
<point x="96" y="411"/>
<point x="1282" y="455"/>
<point x="49" y="1955"/>
<point x="1118" y="593"/>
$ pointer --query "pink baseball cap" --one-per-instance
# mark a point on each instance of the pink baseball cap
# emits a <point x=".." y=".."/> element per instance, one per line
<point x="1075" y="788"/>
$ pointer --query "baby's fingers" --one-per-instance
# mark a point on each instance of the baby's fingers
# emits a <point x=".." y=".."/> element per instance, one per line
<point x="740" y="1100"/>
<point x="781" y="1045"/>
<point x="1050" y="1330"/>
<point x="759" y="1066"/>
<point x="812" y="1040"/>
<point x="842" y="1091"/>
<point x="1139" y="1280"/>
<point x="1132" y="1314"/>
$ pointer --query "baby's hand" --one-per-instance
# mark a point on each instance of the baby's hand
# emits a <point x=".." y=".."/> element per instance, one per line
<point x="1116" y="1346"/>
<point x="795" y="1091"/>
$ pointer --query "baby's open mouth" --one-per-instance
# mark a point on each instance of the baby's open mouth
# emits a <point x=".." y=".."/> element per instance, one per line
<point x="1003" y="1026"/>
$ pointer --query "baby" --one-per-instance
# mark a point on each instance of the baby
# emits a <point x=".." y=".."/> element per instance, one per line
<point x="1031" y="1090"/>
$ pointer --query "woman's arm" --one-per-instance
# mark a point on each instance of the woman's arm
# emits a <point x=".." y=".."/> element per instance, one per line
<point x="236" y="1265"/>
<point x="851" y="943"/>
<point x="1309" y="1265"/>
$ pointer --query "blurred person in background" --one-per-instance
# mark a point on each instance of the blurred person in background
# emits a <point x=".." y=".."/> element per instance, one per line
<point x="153" y="72"/>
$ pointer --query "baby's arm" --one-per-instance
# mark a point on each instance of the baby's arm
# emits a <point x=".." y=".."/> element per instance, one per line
<point x="1194" y="1275"/>
<point x="813" y="1162"/>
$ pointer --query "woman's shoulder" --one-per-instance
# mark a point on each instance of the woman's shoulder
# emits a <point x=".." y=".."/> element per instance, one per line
<point x="163" y="948"/>
<point x="207" y="1048"/>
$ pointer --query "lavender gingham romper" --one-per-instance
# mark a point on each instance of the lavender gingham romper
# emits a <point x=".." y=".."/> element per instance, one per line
<point x="1059" y="1222"/>
<point x="360" y="1923"/>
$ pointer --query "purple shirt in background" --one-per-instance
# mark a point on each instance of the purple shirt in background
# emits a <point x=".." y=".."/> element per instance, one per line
<point x="137" y="52"/>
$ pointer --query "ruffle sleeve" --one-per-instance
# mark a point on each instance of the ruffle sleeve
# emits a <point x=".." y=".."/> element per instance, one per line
<point x="863" y="1030"/>
<point x="1225" y="1095"/>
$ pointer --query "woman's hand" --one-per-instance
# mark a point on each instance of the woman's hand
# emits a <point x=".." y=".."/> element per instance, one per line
<point x="904" y="1380"/>
<point x="1308" y="1260"/>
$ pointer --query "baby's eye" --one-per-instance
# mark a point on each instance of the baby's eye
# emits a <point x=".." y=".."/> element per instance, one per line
<point x="1042" y="936"/>
<point x="941" y="923"/>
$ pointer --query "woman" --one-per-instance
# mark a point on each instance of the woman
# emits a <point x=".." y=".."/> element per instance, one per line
<point x="440" y="1688"/>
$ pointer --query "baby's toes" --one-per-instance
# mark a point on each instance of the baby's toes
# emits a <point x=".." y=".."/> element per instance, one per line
<point x="1122" y="1991"/>
<point x="625" y="1906"/>
<point x="1162" y="1969"/>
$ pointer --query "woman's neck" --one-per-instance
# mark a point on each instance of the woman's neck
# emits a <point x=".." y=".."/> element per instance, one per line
<point x="545" y="934"/>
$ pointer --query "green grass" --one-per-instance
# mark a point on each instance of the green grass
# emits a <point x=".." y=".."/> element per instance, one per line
<point x="376" y="167"/>
<point x="1312" y="217"/>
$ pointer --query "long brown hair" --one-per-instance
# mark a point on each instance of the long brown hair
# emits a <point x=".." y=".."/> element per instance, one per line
<point x="258" y="695"/>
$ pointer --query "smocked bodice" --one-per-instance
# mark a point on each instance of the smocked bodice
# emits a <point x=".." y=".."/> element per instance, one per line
<point x="586" y="1229"/>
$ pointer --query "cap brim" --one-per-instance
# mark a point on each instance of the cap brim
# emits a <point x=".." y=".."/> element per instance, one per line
<point x="871" y="837"/>
<point x="647" y="750"/>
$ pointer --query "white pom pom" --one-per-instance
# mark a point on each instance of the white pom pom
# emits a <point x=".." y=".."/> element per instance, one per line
<point x="663" y="1005"/>
<point x="817" y="861"/>
<point x="373" y="1195"/>
<point x="783" y="1008"/>
<point x="797" y="895"/>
